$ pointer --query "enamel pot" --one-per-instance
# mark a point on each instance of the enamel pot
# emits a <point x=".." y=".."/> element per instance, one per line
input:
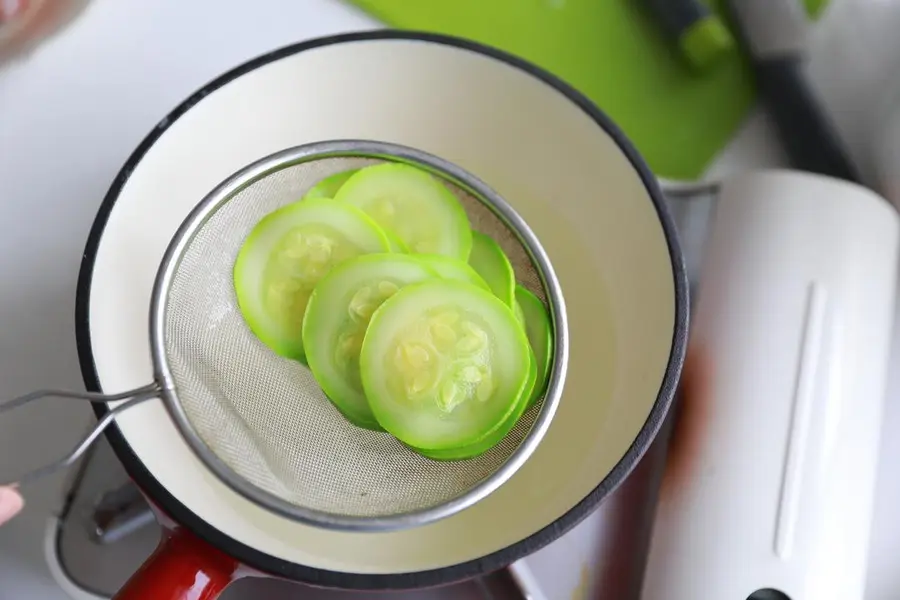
<point x="558" y="160"/>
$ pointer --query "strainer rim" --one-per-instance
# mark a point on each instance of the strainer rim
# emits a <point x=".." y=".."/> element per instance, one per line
<point x="357" y="148"/>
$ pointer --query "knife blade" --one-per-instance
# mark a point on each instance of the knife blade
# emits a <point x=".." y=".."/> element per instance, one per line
<point x="774" y="35"/>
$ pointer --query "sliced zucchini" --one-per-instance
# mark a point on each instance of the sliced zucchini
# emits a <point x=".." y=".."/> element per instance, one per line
<point x="452" y="268"/>
<point x="283" y="258"/>
<point x="540" y="336"/>
<point x="520" y="314"/>
<point x="413" y="204"/>
<point x="443" y="364"/>
<point x="328" y="187"/>
<point x="489" y="260"/>
<point x="495" y="437"/>
<point x="397" y="245"/>
<point x="336" y="319"/>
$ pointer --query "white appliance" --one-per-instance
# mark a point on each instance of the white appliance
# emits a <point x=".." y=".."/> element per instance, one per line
<point x="795" y="310"/>
<point x="794" y="296"/>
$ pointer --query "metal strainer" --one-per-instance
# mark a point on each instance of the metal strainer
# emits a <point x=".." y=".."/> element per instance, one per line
<point x="260" y="422"/>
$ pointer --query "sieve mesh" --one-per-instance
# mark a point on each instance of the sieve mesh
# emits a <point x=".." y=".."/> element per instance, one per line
<point x="264" y="416"/>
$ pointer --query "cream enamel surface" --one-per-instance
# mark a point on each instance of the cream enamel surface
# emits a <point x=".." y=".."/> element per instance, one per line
<point x="548" y="158"/>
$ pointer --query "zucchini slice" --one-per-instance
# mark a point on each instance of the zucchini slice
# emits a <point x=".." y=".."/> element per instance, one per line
<point x="443" y="364"/>
<point x="489" y="261"/>
<point x="283" y="258"/>
<point x="397" y="245"/>
<point x="328" y="187"/>
<point x="412" y="204"/>
<point x="336" y="319"/>
<point x="540" y="336"/>
<point x="452" y="268"/>
<point x="494" y="437"/>
<point x="520" y="314"/>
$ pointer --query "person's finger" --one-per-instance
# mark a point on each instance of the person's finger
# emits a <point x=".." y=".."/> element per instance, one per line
<point x="10" y="504"/>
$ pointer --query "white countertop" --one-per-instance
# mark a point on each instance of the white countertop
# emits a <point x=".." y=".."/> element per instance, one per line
<point x="73" y="110"/>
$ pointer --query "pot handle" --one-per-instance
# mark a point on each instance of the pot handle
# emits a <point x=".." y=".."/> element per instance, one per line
<point x="181" y="568"/>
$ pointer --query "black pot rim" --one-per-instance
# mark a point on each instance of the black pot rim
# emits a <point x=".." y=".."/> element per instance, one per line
<point x="321" y="577"/>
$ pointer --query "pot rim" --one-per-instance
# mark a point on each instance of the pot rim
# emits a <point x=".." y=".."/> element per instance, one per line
<point x="268" y="564"/>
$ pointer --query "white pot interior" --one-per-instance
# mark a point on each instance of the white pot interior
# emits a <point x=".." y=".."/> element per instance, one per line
<point x="545" y="155"/>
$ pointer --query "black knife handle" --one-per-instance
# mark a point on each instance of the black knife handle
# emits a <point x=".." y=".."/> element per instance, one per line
<point x="807" y="135"/>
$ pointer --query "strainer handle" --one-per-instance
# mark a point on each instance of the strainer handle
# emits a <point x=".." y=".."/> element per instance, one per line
<point x="132" y="398"/>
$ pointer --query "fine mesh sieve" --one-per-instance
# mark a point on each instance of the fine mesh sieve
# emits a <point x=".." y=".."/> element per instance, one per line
<point x="260" y="422"/>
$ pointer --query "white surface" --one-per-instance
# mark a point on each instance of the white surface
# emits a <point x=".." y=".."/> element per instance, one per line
<point x="778" y="492"/>
<point x="621" y="313"/>
<point x="73" y="111"/>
